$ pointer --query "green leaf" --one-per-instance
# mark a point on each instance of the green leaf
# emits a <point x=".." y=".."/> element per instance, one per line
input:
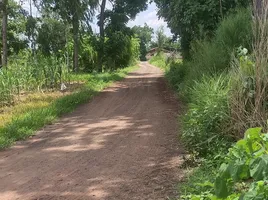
<point x="221" y="188"/>
<point x="239" y="170"/>
<point x="224" y="171"/>
<point x="252" y="195"/>
<point x="259" y="168"/>
<point x="253" y="133"/>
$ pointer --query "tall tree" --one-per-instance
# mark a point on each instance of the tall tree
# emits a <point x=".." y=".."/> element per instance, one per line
<point x="160" y="38"/>
<point x="116" y="19"/>
<point x="195" y="19"/>
<point x="4" y="5"/>
<point x="50" y="38"/>
<point x="102" y="34"/>
<point x="145" y="35"/>
<point x="73" y="12"/>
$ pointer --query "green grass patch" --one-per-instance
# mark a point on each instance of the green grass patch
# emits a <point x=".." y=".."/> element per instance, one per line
<point x="160" y="61"/>
<point x="29" y="117"/>
<point x="194" y="186"/>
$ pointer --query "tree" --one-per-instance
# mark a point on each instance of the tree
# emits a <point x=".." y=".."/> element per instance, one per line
<point x="111" y="21"/>
<point x="195" y="19"/>
<point x="145" y="35"/>
<point x="73" y="12"/>
<point x="102" y="34"/>
<point x="161" y="39"/>
<point x="15" y="33"/>
<point x="4" y="4"/>
<point x="51" y="38"/>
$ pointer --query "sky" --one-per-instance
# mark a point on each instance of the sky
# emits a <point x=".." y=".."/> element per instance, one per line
<point x="149" y="16"/>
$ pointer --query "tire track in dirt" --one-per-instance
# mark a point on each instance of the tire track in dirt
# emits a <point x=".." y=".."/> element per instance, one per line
<point x="121" y="145"/>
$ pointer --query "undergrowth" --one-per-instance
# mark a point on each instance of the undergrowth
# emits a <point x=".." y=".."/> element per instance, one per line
<point x="226" y="93"/>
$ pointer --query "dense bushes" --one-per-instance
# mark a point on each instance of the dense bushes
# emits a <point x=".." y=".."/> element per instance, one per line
<point x="220" y="84"/>
<point x="214" y="57"/>
<point x="242" y="175"/>
<point x="208" y="83"/>
<point x="204" y="126"/>
<point x="120" y="51"/>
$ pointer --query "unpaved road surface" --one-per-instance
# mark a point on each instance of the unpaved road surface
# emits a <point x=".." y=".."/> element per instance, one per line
<point x="122" y="145"/>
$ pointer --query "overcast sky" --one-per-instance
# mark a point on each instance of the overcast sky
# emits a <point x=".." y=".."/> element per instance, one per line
<point x="149" y="16"/>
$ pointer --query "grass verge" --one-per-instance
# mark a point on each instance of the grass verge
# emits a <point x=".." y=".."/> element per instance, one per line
<point x="36" y="112"/>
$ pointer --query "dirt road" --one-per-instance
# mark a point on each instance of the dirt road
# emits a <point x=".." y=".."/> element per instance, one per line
<point x="122" y="145"/>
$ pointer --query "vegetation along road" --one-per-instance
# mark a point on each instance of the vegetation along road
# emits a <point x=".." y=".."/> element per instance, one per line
<point x="121" y="145"/>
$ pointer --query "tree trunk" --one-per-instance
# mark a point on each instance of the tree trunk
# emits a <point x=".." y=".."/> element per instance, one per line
<point x="102" y="35"/>
<point x="221" y="9"/>
<point x="76" y="42"/>
<point x="4" y="32"/>
<point x="32" y="38"/>
<point x="259" y="9"/>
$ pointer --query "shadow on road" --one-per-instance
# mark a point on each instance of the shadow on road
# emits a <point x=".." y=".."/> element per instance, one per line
<point x="121" y="145"/>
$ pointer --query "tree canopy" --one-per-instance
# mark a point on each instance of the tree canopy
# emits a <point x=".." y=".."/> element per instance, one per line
<point x="145" y="34"/>
<point x="195" y="19"/>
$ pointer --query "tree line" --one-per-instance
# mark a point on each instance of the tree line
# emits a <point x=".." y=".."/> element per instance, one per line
<point x="63" y="29"/>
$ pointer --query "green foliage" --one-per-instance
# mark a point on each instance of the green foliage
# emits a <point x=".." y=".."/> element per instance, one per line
<point x="195" y="19"/>
<point x="214" y="57"/>
<point x="16" y="27"/>
<point x="247" y="161"/>
<point x="51" y="38"/>
<point x="25" y="124"/>
<point x="161" y="39"/>
<point x="207" y="119"/>
<point x="235" y="30"/>
<point x="145" y="35"/>
<point x="120" y="51"/>
<point x="198" y="184"/>
<point x="121" y="12"/>
<point x="27" y="75"/>
<point x="159" y="60"/>
<point x="88" y="54"/>
<point x="242" y="176"/>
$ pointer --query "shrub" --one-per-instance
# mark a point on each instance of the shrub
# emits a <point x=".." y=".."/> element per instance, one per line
<point x="243" y="175"/>
<point x="214" y="57"/>
<point x="235" y="30"/>
<point x="205" y="125"/>
<point x="120" y="51"/>
<point x="176" y="74"/>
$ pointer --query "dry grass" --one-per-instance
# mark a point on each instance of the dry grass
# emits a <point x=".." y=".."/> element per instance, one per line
<point x="249" y="94"/>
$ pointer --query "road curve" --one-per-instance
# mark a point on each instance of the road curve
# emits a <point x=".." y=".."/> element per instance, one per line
<point x="121" y="145"/>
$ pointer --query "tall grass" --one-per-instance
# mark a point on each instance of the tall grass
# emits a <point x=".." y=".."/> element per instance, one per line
<point x="35" y="113"/>
<point x="250" y="78"/>
<point x="205" y="126"/>
<point x="214" y="57"/>
<point x="26" y="74"/>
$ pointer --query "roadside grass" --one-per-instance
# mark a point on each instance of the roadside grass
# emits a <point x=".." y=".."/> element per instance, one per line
<point x="193" y="186"/>
<point x="37" y="110"/>
<point x="159" y="61"/>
